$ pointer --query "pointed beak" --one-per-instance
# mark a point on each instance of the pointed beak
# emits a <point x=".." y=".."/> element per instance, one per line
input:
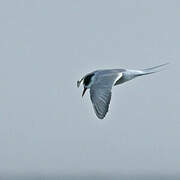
<point x="84" y="91"/>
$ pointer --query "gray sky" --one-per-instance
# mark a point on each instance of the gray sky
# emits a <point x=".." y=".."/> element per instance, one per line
<point x="45" y="125"/>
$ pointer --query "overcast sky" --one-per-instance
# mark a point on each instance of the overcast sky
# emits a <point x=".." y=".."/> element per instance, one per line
<point x="45" y="125"/>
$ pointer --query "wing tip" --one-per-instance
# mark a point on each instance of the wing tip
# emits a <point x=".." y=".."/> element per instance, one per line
<point x="101" y="116"/>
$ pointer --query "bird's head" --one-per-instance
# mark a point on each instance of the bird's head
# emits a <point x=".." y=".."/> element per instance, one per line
<point x="87" y="82"/>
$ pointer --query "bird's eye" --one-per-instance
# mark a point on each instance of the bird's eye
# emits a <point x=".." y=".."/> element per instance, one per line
<point x="87" y="79"/>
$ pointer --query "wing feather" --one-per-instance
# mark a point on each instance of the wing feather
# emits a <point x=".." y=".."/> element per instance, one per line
<point x="100" y="93"/>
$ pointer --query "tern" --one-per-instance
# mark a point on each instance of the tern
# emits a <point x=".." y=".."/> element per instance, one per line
<point x="100" y="83"/>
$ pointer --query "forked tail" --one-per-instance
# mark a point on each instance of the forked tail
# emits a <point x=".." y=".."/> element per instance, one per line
<point x="152" y="69"/>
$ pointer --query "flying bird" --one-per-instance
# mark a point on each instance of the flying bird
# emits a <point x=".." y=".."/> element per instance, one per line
<point x="100" y="83"/>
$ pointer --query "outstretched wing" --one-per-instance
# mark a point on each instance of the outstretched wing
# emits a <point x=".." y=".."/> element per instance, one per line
<point x="100" y="92"/>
